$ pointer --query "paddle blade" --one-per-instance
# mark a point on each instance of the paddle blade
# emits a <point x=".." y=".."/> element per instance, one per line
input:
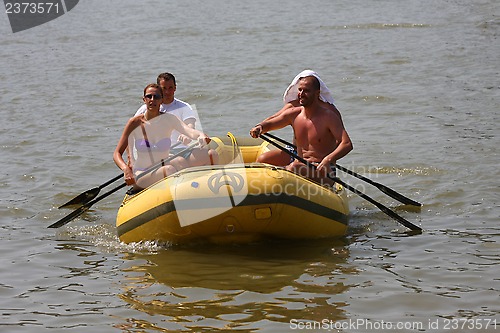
<point x="83" y="198"/>
<point x="398" y="196"/>
<point x="70" y="217"/>
<point x="398" y="218"/>
<point x="389" y="191"/>
<point x="383" y="208"/>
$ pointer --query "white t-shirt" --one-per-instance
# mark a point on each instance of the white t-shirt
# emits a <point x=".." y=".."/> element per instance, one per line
<point x="179" y="108"/>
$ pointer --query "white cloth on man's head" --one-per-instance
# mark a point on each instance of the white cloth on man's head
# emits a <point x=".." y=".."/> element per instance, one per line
<point x="293" y="89"/>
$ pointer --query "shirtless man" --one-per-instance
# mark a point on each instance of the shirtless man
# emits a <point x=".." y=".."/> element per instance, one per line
<point x="279" y="157"/>
<point x="319" y="133"/>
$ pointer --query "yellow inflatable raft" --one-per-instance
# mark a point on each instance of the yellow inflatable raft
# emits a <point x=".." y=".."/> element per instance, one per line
<point x="237" y="201"/>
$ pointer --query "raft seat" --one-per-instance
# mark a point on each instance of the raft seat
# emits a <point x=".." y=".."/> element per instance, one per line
<point x="228" y="151"/>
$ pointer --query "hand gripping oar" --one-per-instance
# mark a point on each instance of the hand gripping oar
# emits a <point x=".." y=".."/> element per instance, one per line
<point x="390" y="192"/>
<point x="383" y="208"/>
<point x="79" y="211"/>
<point x="88" y="195"/>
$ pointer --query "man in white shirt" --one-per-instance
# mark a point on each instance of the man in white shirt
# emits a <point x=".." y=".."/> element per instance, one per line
<point x="172" y="105"/>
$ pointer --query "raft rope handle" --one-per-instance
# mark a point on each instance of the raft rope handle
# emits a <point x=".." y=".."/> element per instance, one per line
<point x="235" y="145"/>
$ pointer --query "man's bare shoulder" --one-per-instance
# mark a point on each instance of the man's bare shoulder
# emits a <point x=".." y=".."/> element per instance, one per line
<point x="327" y="109"/>
<point x="289" y="105"/>
<point x="292" y="109"/>
<point x="331" y="107"/>
<point x="291" y="113"/>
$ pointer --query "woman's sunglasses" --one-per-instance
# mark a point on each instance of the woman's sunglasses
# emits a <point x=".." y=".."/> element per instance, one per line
<point x="151" y="96"/>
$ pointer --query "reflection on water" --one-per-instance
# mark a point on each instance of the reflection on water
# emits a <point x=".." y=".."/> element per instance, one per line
<point x="417" y="85"/>
<point x="239" y="286"/>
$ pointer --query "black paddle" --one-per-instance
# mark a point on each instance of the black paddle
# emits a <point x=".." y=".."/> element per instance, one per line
<point x="383" y="208"/>
<point x="390" y="192"/>
<point x="79" y="211"/>
<point x="88" y="195"/>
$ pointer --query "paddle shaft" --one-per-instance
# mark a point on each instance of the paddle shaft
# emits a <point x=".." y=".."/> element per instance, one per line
<point x="111" y="181"/>
<point x="390" y="192"/>
<point x="383" y="208"/>
<point x="118" y="177"/>
<point x="88" y="195"/>
<point x="71" y="216"/>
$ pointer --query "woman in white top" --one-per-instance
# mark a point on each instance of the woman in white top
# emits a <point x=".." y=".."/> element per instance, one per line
<point x="149" y="134"/>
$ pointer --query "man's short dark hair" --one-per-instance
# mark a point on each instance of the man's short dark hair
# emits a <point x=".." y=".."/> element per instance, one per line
<point x="167" y="77"/>
<point x="316" y="85"/>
